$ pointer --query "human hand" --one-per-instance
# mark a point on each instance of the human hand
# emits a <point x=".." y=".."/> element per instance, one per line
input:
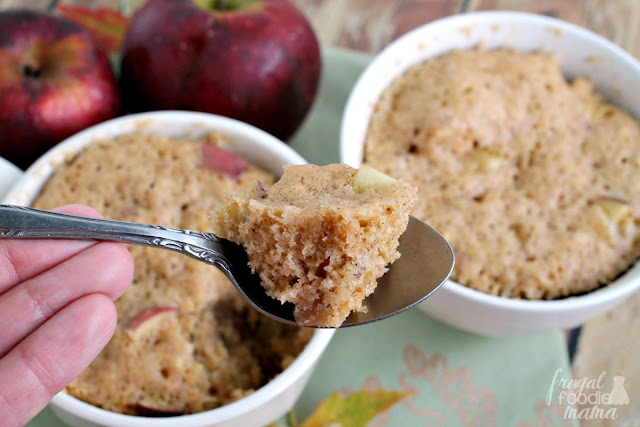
<point x="56" y="314"/>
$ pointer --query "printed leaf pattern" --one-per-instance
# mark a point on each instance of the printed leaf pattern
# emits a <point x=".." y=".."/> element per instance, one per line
<point x="107" y="25"/>
<point x="456" y="388"/>
<point x="355" y="410"/>
<point x="368" y="406"/>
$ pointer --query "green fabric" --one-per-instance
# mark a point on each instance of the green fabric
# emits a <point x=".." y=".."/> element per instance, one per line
<point x="318" y="138"/>
<point x="456" y="378"/>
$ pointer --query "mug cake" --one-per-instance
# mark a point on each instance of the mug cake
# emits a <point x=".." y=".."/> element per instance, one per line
<point x="186" y="340"/>
<point x="532" y="178"/>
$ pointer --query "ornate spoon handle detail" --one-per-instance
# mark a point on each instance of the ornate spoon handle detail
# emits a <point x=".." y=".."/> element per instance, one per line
<point x="23" y="222"/>
<point x="17" y="222"/>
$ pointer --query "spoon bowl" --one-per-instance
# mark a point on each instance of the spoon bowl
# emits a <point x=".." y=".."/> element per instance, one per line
<point x="426" y="262"/>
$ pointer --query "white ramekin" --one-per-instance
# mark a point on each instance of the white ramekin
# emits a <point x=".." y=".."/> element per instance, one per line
<point x="615" y="73"/>
<point x="266" y="404"/>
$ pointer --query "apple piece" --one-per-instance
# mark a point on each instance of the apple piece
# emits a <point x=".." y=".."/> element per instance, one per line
<point x="601" y="111"/>
<point x="370" y="178"/>
<point x="257" y="61"/>
<point x="147" y="410"/>
<point x="617" y="210"/>
<point x="489" y="162"/>
<point x="222" y="160"/>
<point x="54" y="82"/>
<point x="147" y="320"/>
<point x="239" y="204"/>
<point x="257" y="191"/>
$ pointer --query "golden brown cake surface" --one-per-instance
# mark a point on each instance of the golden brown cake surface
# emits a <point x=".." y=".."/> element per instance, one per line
<point x="320" y="237"/>
<point x="186" y="341"/>
<point x="532" y="179"/>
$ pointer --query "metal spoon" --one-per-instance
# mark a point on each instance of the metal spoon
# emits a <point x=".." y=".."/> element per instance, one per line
<point x="426" y="261"/>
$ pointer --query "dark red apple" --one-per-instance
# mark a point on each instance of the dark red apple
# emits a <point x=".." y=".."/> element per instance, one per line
<point x="54" y="82"/>
<point x="257" y="61"/>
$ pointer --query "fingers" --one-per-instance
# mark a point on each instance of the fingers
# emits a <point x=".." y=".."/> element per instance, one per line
<point x="21" y="260"/>
<point x="105" y="268"/>
<point x="52" y="356"/>
<point x="56" y="314"/>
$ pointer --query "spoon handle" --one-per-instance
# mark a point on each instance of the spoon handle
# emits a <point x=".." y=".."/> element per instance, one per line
<point x="17" y="222"/>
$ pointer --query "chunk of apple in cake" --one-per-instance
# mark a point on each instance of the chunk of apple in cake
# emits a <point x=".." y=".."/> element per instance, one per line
<point x="320" y="237"/>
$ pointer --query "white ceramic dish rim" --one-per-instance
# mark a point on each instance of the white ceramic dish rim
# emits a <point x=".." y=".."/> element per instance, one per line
<point x="380" y="72"/>
<point x="9" y="174"/>
<point x="31" y="181"/>
<point x="26" y="188"/>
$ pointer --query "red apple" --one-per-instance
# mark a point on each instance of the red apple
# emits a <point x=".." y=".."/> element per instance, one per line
<point x="54" y="82"/>
<point x="257" y="61"/>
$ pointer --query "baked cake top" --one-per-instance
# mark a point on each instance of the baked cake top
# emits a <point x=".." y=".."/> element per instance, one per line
<point x="532" y="179"/>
